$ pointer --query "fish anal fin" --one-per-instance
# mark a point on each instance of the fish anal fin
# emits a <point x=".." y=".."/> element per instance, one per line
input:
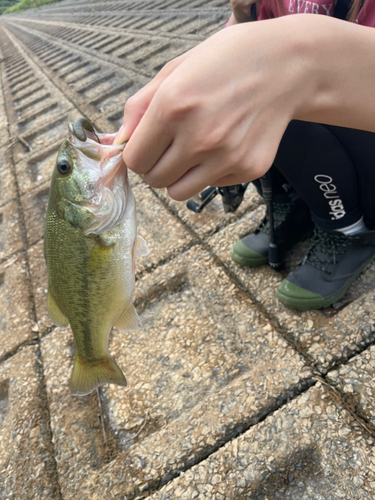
<point x="140" y="247"/>
<point x="88" y="375"/>
<point x="129" y="320"/>
<point x="57" y="317"/>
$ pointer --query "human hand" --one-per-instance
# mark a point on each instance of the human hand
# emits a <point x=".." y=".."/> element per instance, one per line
<point x="215" y="115"/>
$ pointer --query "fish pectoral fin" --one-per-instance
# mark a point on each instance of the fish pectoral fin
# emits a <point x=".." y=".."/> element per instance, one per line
<point x="129" y="320"/>
<point x="88" y="375"/>
<point x="58" y="318"/>
<point x="140" y="247"/>
<point x="105" y="240"/>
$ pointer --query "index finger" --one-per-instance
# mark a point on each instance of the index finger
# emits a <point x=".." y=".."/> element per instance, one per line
<point x="136" y="106"/>
<point x="149" y="141"/>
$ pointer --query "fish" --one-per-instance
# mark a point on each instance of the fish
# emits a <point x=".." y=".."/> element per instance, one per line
<point x="90" y="248"/>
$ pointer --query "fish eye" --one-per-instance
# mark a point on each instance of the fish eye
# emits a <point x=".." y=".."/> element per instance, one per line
<point x="63" y="167"/>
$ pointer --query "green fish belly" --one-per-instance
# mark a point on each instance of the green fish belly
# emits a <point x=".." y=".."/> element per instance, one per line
<point x="91" y="279"/>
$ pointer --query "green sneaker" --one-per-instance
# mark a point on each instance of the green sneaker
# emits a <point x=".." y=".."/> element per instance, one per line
<point x="292" y="223"/>
<point x="330" y="266"/>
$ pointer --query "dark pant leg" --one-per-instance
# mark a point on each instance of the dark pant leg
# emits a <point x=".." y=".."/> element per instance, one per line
<point x="360" y="146"/>
<point x="320" y="169"/>
<point x="280" y="186"/>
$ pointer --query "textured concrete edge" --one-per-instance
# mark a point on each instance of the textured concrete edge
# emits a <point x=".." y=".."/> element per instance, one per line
<point x="311" y="437"/>
<point x="217" y="420"/>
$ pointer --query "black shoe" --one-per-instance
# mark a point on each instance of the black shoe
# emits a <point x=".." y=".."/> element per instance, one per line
<point x="330" y="266"/>
<point x="292" y="223"/>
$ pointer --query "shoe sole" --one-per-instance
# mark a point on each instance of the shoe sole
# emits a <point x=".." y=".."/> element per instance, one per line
<point x="249" y="262"/>
<point x="254" y="261"/>
<point x="319" y="303"/>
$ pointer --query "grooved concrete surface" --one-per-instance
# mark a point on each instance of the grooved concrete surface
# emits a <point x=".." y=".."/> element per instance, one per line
<point x="230" y="395"/>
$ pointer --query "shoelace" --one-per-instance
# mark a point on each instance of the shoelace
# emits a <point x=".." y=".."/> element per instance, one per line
<point x="329" y="244"/>
<point x="280" y="211"/>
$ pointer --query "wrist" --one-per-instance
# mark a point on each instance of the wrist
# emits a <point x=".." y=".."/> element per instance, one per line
<point x="336" y="76"/>
<point x="305" y="64"/>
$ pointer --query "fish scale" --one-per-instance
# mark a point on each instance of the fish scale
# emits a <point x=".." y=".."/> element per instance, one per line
<point x="90" y="245"/>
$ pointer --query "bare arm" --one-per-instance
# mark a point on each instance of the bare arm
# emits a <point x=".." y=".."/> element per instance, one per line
<point x="216" y="115"/>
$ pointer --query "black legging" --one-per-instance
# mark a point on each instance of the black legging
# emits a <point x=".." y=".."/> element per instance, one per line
<point x="332" y="169"/>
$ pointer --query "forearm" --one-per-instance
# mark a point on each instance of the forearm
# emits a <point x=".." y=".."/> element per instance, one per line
<point x="216" y="115"/>
<point x="341" y="60"/>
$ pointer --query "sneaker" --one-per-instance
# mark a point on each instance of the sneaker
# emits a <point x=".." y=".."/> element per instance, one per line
<point x="330" y="266"/>
<point x="292" y="223"/>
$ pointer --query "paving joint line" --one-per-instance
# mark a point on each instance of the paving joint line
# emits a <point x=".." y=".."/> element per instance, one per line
<point x="16" y="252"/>
<point x="230" y="435"/>
<point x="335" y="396"/>
<point x="246" y="293"/>
<point x="283" y="332"/>
<point x="157" y="485"/>
<point x="340" y="398"/>
<point x="2" y="205"/>
<point x="19" y="348"/>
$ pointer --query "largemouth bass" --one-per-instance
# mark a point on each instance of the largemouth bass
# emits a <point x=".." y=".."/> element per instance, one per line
<point x="90" y="248"/>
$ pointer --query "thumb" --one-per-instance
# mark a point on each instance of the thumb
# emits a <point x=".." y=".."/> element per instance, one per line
<point x="136" y="106"/>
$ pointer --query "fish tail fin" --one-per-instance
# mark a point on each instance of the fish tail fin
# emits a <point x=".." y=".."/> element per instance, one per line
<point x="88" y="375"/>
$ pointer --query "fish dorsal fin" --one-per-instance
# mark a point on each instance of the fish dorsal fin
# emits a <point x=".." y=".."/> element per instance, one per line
<point x="129" y="320"/>
<point x="140" y="247"/>
<point x="58" y="318"/>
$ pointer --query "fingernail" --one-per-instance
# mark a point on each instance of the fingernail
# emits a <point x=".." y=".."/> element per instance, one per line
<point x="118" y="138"/>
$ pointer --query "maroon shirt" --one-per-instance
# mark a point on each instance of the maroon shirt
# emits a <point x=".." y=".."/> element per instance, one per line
<point x="366" y="15"/>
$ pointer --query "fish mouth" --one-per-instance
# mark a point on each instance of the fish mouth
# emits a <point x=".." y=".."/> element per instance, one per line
<point x="101" y="175"/>
<point x="90" y="145"/>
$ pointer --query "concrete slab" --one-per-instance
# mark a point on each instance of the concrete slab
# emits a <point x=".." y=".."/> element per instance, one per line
<point x="30" y="100"/>
<point x="3" y="117"/>
<point x="197" y="373"/>
<point x="7" y="183"/>
<point x="327" y="337"/>
<point x="39" y="283"/>
<point x="36" y="117"/>
<point x="165" y="235"/>
<point x="34" y="174"/>
<point x="4" y="138"/>
<point x="27" y="468"/>
<point x="21" y="96"/>
<point x="355" y="381"/>
<point x="31" y="104"/>
<point x="43" y="137"/>
<point x="16" y="323"/>
<point x="34" y="204"/>
<point x="10" y="230"/>
<point x="212" y="217"/>
<point x="309" y="450"/>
